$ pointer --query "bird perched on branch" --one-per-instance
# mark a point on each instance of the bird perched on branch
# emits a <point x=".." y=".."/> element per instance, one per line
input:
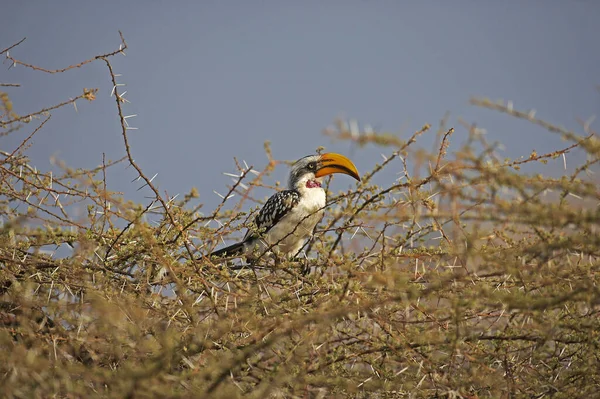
<point x="289" y="217"/>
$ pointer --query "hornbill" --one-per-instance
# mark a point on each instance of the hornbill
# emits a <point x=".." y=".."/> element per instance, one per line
<point x="289" y="217"/>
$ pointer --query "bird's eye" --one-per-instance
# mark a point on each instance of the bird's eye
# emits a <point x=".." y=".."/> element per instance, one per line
<point x="312" y="166"/>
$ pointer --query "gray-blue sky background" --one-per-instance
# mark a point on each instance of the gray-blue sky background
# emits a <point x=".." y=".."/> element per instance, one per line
<point x="210" y="80"/>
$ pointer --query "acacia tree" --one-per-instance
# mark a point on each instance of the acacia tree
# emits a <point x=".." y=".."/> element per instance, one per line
<point x="474" y="280"/>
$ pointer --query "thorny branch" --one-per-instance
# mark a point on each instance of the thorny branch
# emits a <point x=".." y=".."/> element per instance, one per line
<point x="15" y="61"/>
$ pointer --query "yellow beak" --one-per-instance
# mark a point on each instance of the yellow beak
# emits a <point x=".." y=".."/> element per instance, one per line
<point x="335" y="163"/>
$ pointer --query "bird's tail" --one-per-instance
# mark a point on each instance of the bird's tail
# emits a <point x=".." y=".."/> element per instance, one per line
<point x="232" y="250"/>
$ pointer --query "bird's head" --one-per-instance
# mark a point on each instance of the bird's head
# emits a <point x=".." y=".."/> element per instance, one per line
<point x="308" y="172"/>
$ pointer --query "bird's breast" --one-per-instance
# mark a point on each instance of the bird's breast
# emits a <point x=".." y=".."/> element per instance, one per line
<point x="312" y="200"/>
<point x="295" y="227"/>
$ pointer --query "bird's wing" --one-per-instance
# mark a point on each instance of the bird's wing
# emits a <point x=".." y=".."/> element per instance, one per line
<point x="271" y="213"/>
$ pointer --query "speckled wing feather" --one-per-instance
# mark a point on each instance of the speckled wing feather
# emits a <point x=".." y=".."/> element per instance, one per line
<point x="271" y="213"/>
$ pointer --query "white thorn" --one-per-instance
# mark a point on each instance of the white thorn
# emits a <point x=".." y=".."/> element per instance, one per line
<point x="586" y="125"/>
<point x="354" y="130"/>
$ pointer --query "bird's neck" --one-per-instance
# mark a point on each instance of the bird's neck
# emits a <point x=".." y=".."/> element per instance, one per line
<point x="306" y="184"/>
<point x="312" y="199"/>
<point x="313" y="184"/>
<point x="309" y="188"/>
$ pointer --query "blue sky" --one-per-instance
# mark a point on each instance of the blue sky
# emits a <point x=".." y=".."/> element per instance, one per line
<point x="210" y="80"/>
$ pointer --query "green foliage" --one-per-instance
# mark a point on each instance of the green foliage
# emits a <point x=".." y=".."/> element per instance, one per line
<point x="474" y="280"/>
